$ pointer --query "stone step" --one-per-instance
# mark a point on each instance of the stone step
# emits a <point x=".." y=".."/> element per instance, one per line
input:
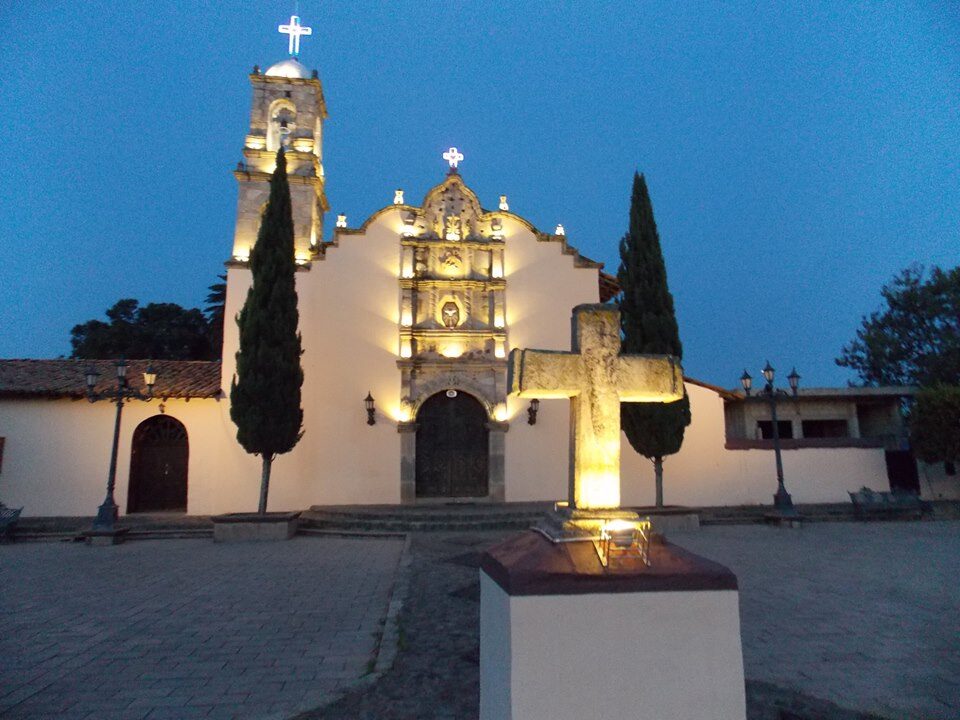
<point x="308" y="521"/>
<point x="434" y="517"/>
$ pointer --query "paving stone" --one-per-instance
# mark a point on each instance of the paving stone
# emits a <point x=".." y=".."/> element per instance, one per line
<point x="143" y="629"/>
<point x="839" y="621"/>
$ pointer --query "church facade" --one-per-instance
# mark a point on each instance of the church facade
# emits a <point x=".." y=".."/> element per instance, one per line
<point x="404" y="395"/>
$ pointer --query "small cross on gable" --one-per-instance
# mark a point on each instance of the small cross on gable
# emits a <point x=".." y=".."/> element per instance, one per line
<point x="596" y="378"/>
<point x="454" y="157"/>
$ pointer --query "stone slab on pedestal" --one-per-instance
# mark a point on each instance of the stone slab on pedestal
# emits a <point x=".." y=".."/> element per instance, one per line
<point x="561" y="637"/>
<point x="97" y="537"/>
<point x="240" y="527"/>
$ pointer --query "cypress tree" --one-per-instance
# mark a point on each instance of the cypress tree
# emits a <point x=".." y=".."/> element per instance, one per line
<point x="649" y="326"/>
<point x="265" y="393"/>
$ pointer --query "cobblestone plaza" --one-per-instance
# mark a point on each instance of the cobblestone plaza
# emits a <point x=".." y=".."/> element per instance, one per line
<point x="859" y="616"/>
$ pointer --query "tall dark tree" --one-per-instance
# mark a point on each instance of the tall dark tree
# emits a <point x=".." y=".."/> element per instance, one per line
<point x="915" y="338"/>
<point x="216" y="302"/>
<point x="157" y="331"/>
<point x="935" y="424"/>
<point x="265" y="394"/>
<point x="649" y="326"/>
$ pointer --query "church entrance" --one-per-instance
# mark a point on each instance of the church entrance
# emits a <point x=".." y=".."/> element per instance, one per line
<point x="453" y="448"/>
<point x="158" y="466"/>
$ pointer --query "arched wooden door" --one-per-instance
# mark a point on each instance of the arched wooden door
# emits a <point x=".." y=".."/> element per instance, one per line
<point x="158" y="466"/>
<point x="453" y="450"/>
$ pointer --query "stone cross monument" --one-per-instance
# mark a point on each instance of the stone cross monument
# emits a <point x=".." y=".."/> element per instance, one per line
<point x="565" y="634"/>
<point x="596" y="378"/>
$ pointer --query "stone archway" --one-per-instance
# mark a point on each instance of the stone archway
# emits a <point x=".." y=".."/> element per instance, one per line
<point x="452" y="447"/>
<point x="158" y="466"/>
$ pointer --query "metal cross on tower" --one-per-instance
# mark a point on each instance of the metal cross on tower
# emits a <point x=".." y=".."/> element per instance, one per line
<point x="454" y="157"/>
<point x="294" y="29"/>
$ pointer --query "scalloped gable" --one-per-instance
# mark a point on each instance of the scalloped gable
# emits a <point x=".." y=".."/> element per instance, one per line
<point x="454" y="197"/>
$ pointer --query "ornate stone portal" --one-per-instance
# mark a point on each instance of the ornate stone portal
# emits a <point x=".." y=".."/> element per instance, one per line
<point x="452" y="333"/>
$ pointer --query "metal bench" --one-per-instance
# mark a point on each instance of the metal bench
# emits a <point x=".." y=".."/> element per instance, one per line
<point x="874" y="503"/>
<point x="8" y="519"/>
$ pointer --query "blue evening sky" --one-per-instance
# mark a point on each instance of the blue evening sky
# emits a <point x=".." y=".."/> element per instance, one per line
<point x="798" y="154"/>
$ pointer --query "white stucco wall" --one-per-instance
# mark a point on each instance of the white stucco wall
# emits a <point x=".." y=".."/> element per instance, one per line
<point x="543" y="287"/>
<point x="57" y="454"/>
<point x="705" y="473"/>
<point x="642" y="655"/>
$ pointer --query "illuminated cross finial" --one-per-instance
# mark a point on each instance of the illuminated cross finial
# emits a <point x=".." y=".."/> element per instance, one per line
<point x="454" y="157"/>
<point x="295" y="30"/>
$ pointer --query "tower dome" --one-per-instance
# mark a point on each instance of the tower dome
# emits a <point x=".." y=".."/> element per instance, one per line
<point x="289" y="68"/>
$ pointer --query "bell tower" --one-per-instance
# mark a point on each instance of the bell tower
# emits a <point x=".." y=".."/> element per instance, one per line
<point x="288" y="109"/>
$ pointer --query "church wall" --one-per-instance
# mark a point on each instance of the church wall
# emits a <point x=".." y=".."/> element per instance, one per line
<point x="704" y="472"/>
<point x="349" y="306"/>
<point x="543" y="286"/>
<point x="57" y="454"/>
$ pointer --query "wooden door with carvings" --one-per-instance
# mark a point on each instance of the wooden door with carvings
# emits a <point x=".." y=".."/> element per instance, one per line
<point x="453" y="450"/>
<point x="158" y="466"/>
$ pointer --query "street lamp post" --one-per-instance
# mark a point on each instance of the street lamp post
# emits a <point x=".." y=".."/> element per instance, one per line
<point x="105" y="524"/>
<point x="782" y="501"/>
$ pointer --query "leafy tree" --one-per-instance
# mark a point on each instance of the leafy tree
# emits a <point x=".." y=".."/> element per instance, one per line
<point x="649" y="326"/>
<point x="935" y="424"/>
<point x="216" y="302"/>
<point x="265" y="394"/>
<point x="915" y="338"/>
<point x="157" y="331"/>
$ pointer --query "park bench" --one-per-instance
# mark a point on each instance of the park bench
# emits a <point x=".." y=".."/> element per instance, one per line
<point x="8" y="519"/>
<point x="873" y="503"/>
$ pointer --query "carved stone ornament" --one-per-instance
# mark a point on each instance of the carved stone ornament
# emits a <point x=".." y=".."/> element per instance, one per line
<point x="420" y="261"/>
<point x="453" y="231"/>
<point x="451" y="261"/>
<point x="451" y="314"/>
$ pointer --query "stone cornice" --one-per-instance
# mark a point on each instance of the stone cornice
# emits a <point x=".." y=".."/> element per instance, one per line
<point x="452" y="364"/>
<point x="256" y="78"/>
<point x="458" y="283"/>
<point x="433" y="241"/>
<point x="259" y="176"/>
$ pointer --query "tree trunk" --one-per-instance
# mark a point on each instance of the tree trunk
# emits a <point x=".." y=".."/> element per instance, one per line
<point x="264" y="482"/>
<point x="658" y="474"/>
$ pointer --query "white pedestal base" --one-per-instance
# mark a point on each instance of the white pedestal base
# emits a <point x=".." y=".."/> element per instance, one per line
<point x="656" y="655"/>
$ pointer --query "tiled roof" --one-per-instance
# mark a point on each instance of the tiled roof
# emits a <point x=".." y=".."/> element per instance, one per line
<point x="67" y="378"/>
<point x="609" y="287"/>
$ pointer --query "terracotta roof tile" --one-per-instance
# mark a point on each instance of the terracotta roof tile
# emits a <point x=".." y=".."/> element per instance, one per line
<point x="67" y="378"/>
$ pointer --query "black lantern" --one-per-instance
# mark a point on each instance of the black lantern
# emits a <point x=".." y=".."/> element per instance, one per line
<point x="746" y="381"/>
<point x="368" y="401"/>
<point x="794" y="379"/>
<point x="532" y="411"/>
<point x="768" y="373"/>
<point x="121" y="366"/>
<point x="91" y="377"/>
<point x="150" y="378"/>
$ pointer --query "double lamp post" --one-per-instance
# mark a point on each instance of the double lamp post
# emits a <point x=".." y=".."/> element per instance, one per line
<point x="782" y="501"/>
<point x="106" y="520"/>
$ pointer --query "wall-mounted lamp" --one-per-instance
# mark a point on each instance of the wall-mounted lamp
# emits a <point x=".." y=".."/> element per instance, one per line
<point x="532" y="411"/>
<point x="368" y="401"/>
